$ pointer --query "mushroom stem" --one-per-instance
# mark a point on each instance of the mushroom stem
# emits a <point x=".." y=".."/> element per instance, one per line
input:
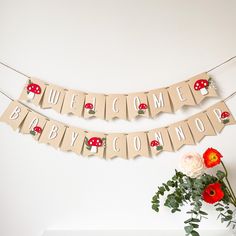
<point x="94" y="149"/>
<point x="203" y="91"/>
<point x="30" y="95"/>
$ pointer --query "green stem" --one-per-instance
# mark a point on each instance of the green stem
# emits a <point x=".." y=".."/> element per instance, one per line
<point x="231" y="198"/>
<point x="229" y="185"/>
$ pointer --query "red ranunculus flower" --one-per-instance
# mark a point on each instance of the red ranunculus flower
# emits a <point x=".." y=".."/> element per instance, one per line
<point x="212" y="157"/>
<point x="213" y="193"/>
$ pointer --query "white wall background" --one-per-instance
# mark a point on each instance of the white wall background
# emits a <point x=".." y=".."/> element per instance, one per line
<point x="105" y="46"/>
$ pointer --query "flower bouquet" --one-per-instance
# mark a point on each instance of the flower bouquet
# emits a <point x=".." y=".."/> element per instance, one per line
<point x="193" y="186"/>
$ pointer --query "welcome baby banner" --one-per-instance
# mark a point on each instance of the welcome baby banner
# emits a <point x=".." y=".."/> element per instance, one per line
<point x="123" y="106"/>
<point x="108" y="145"/>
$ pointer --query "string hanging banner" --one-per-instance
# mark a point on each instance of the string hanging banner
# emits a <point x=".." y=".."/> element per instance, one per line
<point x="124" y="106"/>
<point x="108" y="145"/>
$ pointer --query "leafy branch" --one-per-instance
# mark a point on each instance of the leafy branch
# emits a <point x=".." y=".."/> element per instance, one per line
<point x="183" y="190"/>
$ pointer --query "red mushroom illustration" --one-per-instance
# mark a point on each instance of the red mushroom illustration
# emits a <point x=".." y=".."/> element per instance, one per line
<point x="36" y="130"/>
<point x="142" y="108"/>
<point x="202" y="86"/>
<point x="33" y="89"/>
<point x="155" y="144"/>
<point x="93" y="143"/>
<point x="225" y="117"/>
<point x="89" y="106"/>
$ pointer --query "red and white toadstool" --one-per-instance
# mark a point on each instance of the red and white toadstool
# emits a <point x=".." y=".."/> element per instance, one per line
<point x="142" y="107"/>
<point x="94" y="143"/>
<point x="33" y="89"/>
<point x="36" y="130"/>
<point x="225" y="117"/>
<point x="89" y="106"/>
<point x="201" y="85"/>
<point x="154" y="143"/>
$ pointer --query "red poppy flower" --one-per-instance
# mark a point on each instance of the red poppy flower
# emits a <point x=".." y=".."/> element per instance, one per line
<point x="212" y="157"/>
<point x="213" y="193"/>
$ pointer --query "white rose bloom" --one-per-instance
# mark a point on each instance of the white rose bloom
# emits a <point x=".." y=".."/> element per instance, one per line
<point x="192" y="165"/>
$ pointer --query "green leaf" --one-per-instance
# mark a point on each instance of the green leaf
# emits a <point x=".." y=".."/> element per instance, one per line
<point x="174" y="210"/>
<point x="104" y="141"/>
<point x="188" y="221"/>
<point x="170" y="183"/>
<point x="230" y="212"/>
<point x="194" y="225"/>
<point x="228" y="224"/>
<point x="32" y="132"/>
<point x="203" y="213"/>
<point x="195" y="233"/>
<point x="155" y="208"/>
<point x="225" y="121"/>
<point x="140" y="112"/>
<point x="91" y="112"/>
<point x="220" y="174"/>
<point x="195" y="220"/>
<point x="229" y="217"/>
<point x="166" y="187"/>
<point x="219" y="208"/>
<point x="159" y="148"/>
<point x="188" y="229"/>
<point x="86" y="140"/>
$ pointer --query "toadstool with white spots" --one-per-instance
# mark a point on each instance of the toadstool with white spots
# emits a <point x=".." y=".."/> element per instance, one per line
<point x="225" y="117"/>
<point x="89" y="106"/>
<point x="154" y="143"/>
<point x="94" y="143"/>
<point x="201" y="85"/>
<point x="142" y="107"/>
<point x="36" y="130"/>
<point x="33" y="89"/>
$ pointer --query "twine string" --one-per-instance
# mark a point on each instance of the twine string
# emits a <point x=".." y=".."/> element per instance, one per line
<point x="24" y="74"/>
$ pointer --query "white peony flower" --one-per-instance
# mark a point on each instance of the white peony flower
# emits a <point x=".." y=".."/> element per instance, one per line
<point x="192" y="165"/>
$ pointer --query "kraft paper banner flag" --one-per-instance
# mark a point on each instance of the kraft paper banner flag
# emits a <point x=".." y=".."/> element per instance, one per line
<point x="53" y="97"/>
<point x="94" y="144"/>
<point x="73" y="140"/>
<point x="116" y="146"/>
<point x="33" y="124"/>
<point x="14" y="114"/>
<point x="202" y="86"/>
<point x="181" y="95"/>
<point x="137" y="105"/>
<point x="200" y="126"/>
<point x="33" y="91"/>
<point x="159" y="101"/>
<point x="220" y="116"/>
<point x="116" y="106"/>
<point x="180" y="134"/>
<point x="94" y="105"/>
<point x="52" y="133"/>
<point x="159" y="140"/>
<point x="137" y="145"/>
<point x="73" y="103"/>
